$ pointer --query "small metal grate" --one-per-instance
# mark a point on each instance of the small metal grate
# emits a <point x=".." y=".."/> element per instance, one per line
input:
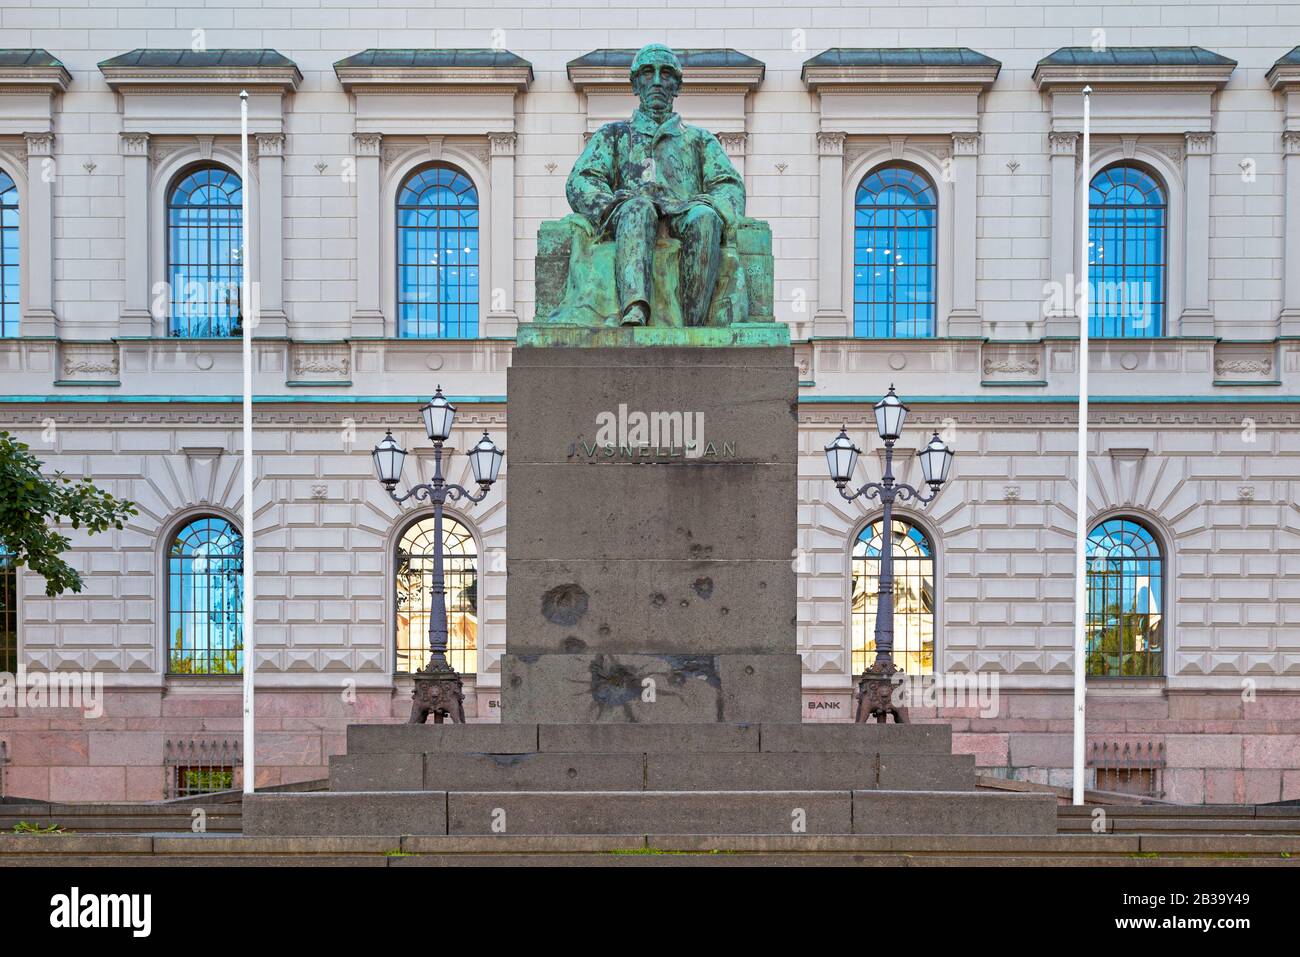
<point x="1128" y="767"/>
<point x="200" y="766"/>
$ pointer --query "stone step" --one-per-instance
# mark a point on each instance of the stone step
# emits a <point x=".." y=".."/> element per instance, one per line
<point x="206" y="850"/>
<point x="882" y="738"/>
<point x="683" y="771"/>
<point x="648" y="738"/>
<point x="648" y="812"/>
<point x="676" y="812"/>
<point x="119" y="817"/>
<point x="809" y="771"/>
<point x="424" y="738"/>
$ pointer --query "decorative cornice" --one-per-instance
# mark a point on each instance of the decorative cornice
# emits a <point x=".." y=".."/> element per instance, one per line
<point x="41" y="75"/>
<point x="1128" y="70"/>
<point x="134" y="144"/>
<point x="396" y="78"/>
<point x="965" y="144"/>
<point x="367" y="144"/>
<point x="733" y="142"/>
<point x="1284" y="75"/>
<point x="830" y="144"/>
<point x="270" y="144"/>
<point x="893" y="71"/>
<point x="325" y="416"/>
<point x="39" y="144"/>
<point x="173" y="80"/>
<point x="703" y="71"/>
<point x="1063" y="144"/>
<point x="502" y="144"/>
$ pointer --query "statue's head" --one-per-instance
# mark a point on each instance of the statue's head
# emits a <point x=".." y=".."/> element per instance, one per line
<point x="656" y="77"/>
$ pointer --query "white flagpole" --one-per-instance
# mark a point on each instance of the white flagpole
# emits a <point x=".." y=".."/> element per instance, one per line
<point x="1081" y="504"/>
<point x="247" y="321"/>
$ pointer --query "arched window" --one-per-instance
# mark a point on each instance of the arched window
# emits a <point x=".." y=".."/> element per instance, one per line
<point x="1125" y="623"/>
<point x="414" y="588"/>
<point x="9" y="306"/>
<point x="8" y="614"/>
<point x="205" y="599"/>
<point x="1127" y="222"/>
<point x="204" y="233"/>
<point x="895" y="254"/>
<point x="437" y="255"/>
<point x="913" y="597"/>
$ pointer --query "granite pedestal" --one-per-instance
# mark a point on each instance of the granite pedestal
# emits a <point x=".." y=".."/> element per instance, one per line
<point x="651" y="532"/>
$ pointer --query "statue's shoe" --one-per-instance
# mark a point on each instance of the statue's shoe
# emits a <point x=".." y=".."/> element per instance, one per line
<point x="635" y="316"/>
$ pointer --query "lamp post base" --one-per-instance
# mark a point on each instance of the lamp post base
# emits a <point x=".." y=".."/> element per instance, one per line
<point x="438" y="692"/>
<point x="876" y="695"/>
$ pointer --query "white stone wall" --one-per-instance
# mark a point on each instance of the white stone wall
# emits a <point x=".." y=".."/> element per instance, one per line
<point x="781" y="162"/>
<point x="1198" y="436"/>
<point x="1222" y="501"/>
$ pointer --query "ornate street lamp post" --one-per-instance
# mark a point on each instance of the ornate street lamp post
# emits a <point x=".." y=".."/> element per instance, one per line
<point x="875" y="690"/>
<point x="438" y="688"/>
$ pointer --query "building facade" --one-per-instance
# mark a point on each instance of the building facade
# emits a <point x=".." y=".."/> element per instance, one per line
<point x="920" y="167"/>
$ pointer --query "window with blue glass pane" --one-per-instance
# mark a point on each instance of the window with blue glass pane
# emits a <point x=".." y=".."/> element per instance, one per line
<point x="1125" y="621"/>
<point x="437" y="255"/>
<point x="204" y="234"/>
<point x="1127" y="224"/>
<point x="895" y="274"/>
<point x="9" y="266"/>
<point x="205" y="599"/>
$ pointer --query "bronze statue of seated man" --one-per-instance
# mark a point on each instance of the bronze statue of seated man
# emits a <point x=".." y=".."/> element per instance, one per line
<point x="649" y="174"/>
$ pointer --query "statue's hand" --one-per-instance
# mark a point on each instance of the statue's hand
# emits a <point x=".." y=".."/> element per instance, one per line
<point x="653" y="191"/>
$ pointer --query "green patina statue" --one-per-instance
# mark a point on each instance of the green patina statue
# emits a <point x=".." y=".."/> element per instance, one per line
<point x="659" y="237"/>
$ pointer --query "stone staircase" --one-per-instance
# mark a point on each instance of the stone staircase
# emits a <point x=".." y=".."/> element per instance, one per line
<point x="652" y="850"/>
<point x="590" y="779"/>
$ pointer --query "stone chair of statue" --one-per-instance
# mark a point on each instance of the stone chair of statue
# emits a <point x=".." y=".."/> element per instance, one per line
<point x="575" y="277"/>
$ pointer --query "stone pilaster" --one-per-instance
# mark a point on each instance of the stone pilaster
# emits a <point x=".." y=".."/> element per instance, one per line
<point x="1289" y="320"/>
<point x="501" y="318"/>
<point x="135" y="319"/>
<point x="964" y="317"/>
<point x="1060" y="318"/>
<point x="831" y="318"/>
<point x="1197" y="318"/>
<point x="271" y="319"/>
<point x="38" y="317"/>
<point x="367" y="315"/>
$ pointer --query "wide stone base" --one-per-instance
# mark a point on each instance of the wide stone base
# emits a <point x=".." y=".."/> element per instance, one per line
<point x="648" y="812"/>
<point x="626" y="778"/>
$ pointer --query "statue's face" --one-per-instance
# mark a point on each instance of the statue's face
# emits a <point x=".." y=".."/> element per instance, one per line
<point x="656" y="84"/>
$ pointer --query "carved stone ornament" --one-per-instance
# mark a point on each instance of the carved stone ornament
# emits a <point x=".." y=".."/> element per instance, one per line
<point x="1011" y="365"/>
<point x="90" y="364"/>
<point x="1242" y="366"/>
<point x="321" y="365"/>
